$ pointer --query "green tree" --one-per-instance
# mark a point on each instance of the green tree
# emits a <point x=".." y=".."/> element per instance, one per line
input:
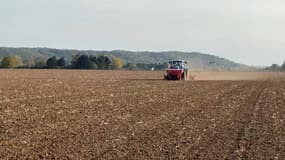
<point x="130" y="66"/>
<point x="74" y="60"/>
<point x="84" y="62"/>
<point x="52" y="62"/>
<point x="103" y="62"/>
<point x="61" y="62"/>
<point x="117" y="63"/>
<point x="93" y="59"/>
<point x="11" y="62"/>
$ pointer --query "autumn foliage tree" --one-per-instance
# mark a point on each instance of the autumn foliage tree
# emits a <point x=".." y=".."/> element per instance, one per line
<point x="117" y="62"/>
<point x="11" y="62"/>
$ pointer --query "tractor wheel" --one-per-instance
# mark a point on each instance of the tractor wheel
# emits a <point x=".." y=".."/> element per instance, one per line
<point x="179" y="77"/>
<point x="165" y="77"/>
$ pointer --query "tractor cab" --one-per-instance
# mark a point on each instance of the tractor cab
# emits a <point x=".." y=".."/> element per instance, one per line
<point x="177" y="64"/>
<point x="177" y="70"/>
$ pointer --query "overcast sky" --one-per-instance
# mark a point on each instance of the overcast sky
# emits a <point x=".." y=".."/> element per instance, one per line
<point x="247" y="31"/>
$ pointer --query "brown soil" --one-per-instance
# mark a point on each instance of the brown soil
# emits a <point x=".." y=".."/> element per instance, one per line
<point x="55" y="114"/>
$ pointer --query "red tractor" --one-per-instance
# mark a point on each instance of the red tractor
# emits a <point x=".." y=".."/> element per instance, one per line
<point x="177" y="70"/>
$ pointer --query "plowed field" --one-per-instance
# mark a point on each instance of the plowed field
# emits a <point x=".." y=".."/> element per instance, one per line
<point x="54" y="114"/>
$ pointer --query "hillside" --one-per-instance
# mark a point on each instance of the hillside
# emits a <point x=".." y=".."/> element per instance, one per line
<point x="196" y="60"/>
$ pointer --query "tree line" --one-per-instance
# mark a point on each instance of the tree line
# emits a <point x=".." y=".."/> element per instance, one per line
<point x="90" y="62"/>
<point x="276" y="67"/>
<point x="77" y="62"/>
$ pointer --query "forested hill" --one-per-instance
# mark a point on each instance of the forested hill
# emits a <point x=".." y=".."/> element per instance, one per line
<point x="196" y="60"/>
